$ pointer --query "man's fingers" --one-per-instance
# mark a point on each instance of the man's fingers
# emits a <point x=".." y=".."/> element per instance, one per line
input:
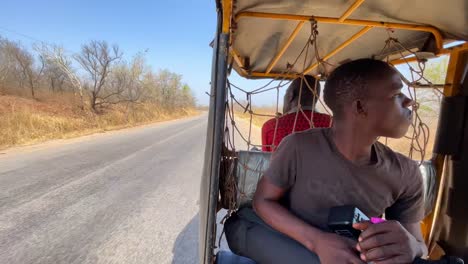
<point x="351" y="242"/>
<point x="362" y="225"/>
<point x="377" y="240"/>
<point x="383" y="252"/>
<point x="372" y="230"/>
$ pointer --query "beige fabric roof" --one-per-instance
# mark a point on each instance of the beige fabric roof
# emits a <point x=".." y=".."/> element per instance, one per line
<point x="260" y="39"/>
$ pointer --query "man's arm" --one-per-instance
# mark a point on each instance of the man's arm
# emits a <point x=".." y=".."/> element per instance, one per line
<point x="330" y="248"/>
<point x="266" y="205"/>
<point x="390" y="242"/>
<point x="415" y="230"/>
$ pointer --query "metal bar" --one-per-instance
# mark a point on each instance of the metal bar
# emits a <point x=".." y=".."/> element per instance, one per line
<point x="217" y="143"/>
<point x="429" y="86"/>
<point x="455" y="71"/>
<point x="414" y="58"/>
<point x="209" y="186"/>
<point x="274" y="75"/>
<point x="429" y="221"/>
<point x="342" y="46"/>
<point x="352" y="22"/>
<point x="227" y="14"/>
<point x="350" y="10"/>
<point x="420" y="85"/>
<point x="405" y="60"/>
<point x="244" y="73"/>
<point x="286" y="45"/>
<point x="238" y="61"/>
<point x="452" y="87"/>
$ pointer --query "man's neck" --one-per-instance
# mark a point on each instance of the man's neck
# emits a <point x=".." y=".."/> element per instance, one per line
<point x="353" y="142"/>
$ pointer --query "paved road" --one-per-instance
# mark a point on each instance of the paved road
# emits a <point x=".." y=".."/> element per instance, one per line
<point x="128" y="196"/>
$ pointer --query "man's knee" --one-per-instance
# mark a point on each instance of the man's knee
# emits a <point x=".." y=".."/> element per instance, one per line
<point x="235" y="229"/>
<point x="251" y="237"/>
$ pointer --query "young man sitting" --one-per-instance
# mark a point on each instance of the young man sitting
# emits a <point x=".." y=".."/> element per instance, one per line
<point x="315" y="170"/>
<point x="293" y="119"/>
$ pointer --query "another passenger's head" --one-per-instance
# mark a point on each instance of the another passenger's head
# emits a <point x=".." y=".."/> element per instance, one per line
<point x="291" y="98"/>
<point x="368" y="92"/>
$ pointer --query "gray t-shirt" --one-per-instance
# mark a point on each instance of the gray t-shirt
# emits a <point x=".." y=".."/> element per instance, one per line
<point x="319" y="177"/>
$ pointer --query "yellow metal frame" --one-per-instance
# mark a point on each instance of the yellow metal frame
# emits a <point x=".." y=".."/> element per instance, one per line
<point x="286" y="45"/>
<point x="454" y="70"/>
<point x="299" y="26"/>
<point x="227" y="15"/>
<point x="351" y="22"/>
<point x="275" y="75"/>
<point x="342" y="46"/>
<point x="367" y="25"/>
<point x="342" y="20"/>
<point x="456" y="66"/>
<point x="243" y="71"/>
<point x="350" y="10"/>
<point x="413" y="59"/>
<point x="238" y="61"/>
<point x="268" y="74"/>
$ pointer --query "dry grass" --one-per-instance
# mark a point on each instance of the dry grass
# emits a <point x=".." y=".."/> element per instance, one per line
<point x="257" y="120"/>
<point x="25" y="121"/>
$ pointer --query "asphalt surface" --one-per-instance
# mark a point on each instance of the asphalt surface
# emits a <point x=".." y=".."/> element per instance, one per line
<point x="128" y="196"/>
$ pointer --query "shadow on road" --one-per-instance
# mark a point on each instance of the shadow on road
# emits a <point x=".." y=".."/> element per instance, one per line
<point x="185" y="250"/>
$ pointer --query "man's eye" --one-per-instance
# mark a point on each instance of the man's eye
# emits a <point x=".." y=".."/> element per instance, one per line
<point x="398" y="95"/>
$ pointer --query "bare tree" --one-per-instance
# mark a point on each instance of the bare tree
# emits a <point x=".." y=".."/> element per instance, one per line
<point x="19" y="62"/>
<point x="187" y="98"/>
<point x="126" y="82"/>
<point x="56" y="77"/>
<point x="5" y="60"/>
<point x="25" y="61"/>
<point x="107" y="78"/>
<point x="97" y="58"/>
<point x="169" y="85"/>
<point x="119" y="81"/>
<point x="53" y="77"/>
<point x="137" y="72"/>
<point x="56" y="57"/>
<point x="150" y="88"/>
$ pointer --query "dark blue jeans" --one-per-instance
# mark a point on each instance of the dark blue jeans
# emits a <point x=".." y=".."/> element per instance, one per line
<point x="248" y="236"/>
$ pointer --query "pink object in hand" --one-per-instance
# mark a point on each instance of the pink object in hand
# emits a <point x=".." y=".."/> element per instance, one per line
<point x="377" y="220"/>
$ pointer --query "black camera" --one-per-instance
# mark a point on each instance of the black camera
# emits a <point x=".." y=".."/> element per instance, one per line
<point x="342" y="218"/>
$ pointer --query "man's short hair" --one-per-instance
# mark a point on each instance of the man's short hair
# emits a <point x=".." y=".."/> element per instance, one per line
<point x="350" y="82"/>
<point x="307" y="96"/>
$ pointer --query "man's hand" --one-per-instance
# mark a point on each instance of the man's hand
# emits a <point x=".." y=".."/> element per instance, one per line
<point x="387" y="243"/>
<point x="332" y="248"/>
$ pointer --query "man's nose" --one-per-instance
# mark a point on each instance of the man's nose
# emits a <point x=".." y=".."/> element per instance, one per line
<point x="408" y="102"/>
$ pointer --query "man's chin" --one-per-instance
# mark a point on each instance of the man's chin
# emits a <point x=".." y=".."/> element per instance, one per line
<point x="397" y="132"/>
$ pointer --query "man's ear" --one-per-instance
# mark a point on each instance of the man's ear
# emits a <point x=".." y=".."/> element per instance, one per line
<point x="359" y="108"/>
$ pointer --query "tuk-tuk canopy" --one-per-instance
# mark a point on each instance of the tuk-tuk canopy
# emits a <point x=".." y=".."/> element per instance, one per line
<point x="267" y="36"/>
